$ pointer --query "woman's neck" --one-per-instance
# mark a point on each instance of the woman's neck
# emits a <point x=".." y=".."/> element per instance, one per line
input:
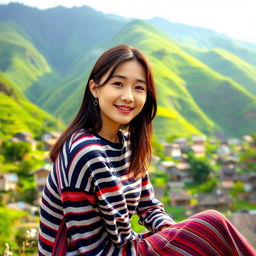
<point x="111" y="136"/>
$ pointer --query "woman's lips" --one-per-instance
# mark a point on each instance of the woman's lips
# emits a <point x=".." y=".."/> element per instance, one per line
<point x="124" y="109"/>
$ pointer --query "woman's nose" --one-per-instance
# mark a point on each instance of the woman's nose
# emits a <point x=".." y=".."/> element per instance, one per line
<point x="127" y="95"/>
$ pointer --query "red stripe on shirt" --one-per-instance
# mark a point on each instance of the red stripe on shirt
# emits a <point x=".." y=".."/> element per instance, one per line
<point x="108" y="189"/>
<point x="45" y="240"/>
<point x="78" y="196"/>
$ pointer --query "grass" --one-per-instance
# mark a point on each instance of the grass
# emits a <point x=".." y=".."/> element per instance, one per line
<point x="18" y="114"/>
<point x="177" y="213"/>
<point x="244" y="205"/>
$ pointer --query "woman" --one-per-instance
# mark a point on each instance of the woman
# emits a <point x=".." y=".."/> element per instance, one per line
<point x="99" y="178"/>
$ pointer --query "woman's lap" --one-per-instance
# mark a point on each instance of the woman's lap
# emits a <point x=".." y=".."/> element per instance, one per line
<point x="206" y="233"/>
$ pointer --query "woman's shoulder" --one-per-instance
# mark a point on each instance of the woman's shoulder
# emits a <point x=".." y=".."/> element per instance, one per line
<point x="84" y="140"/>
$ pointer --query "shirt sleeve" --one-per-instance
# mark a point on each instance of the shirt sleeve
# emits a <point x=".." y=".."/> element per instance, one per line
<point x="150" y="211"/>
<point x="83" y="223"/>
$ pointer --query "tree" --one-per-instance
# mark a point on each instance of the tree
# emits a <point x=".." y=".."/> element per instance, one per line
<point x="209" y="186"/>
<point x="15" y="151"/>
<point x="200" y="167"/>
<point x="238" y="188"/>
<point x="2" y="160"/>
<point x="158" y="148"/>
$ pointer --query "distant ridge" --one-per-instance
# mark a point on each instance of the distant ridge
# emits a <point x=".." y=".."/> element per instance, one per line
<point x="205" y="80"/>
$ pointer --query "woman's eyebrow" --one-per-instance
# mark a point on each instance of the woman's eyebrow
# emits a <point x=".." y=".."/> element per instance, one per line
<point x="124" y="77"/>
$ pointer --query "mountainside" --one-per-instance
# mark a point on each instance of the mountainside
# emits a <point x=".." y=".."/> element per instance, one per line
<point x="60" y="33"/>
<point x="20" y="60"/>
<point x="206" y="39"/>
<point x="212" y="94"/>
<point x="228" y="65"/>
<point x="18" y="114"/>
<point x="205" y="81"/>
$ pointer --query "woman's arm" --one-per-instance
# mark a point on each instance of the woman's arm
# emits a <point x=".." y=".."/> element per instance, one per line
<point x="150" y="210"/>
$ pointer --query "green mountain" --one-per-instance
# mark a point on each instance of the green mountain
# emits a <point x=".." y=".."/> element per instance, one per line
<point x="196" y="91"/>
<point x="206" y="39"/>
<point x="18" y="114"/>
<point x="63" y="35"/>
<point x="205" y="81"/>
<point x="20" y="60"/>
<point x="228" y="65"/>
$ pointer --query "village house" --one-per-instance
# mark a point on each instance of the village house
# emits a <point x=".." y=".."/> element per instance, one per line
<point x="155" y="159"/>
<point x="174" y="150"/>
<point x="248" y="139"/>
<point x="49" y="139"/>
<point x="184" y="171"/>
<point x="23" y="206"/>
<point x="226" y="185"/>
<point x="176" y="185"/>
<point x="219" y="201"/>
<point x="49" y="143"/>
<point x="50" y="135"/>
<point x="249" y="180"/>
<point x="159" y="192"/>
<point x="166" y="166"/>
<point x="223" y="150"/>
<point x="176" y="171"/>
<point x="198" y="145"/>
<point x="8" y="181"/>
<point x="167" y="148"/>
<point x="233" y="158"/>
<point x="40" y="176"/>
<point x="228" y="172"/>
<point x="24" y="137"/>
<point x="225" y="155"/>
<point x="180" y="198"/>
<point x="252" y="197"/>
<point x="182" y="142"/>
<point x="234" y="141"/>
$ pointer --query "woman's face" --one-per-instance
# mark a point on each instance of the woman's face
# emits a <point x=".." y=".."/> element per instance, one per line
<point x="123" y="96"/>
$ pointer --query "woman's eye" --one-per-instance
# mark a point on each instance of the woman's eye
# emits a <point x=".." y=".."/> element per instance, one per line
<point x="139" y="87"/>
<point x="117" y="83"/>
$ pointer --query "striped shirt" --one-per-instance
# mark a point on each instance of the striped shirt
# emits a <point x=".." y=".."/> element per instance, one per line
<point x="88" y="200"/>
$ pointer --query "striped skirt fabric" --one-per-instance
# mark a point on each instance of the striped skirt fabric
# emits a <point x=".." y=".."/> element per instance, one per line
<point x="206" y="233"/>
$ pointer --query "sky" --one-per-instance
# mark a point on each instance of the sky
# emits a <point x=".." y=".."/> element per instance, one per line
<point x="235" y="18"/>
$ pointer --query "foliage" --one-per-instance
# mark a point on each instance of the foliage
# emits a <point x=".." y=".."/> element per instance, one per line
<point x="177" y="213"/>
<point x="136" y="226"/>
<point x="158" y="148"/>
<point x="209" y="185"/>
<point x="28" y="165"/>
<point x="18" y="114"/>
<point x="2" y="160"/>
<point x="7" y="219"/>
<point x="26" y="190"/>
<point x="200" y="167"/>
<point x="211" y="148"/>
<point x="248" y="159"/>
<point x="15" y="151"/>
<point x="237" y="189"/>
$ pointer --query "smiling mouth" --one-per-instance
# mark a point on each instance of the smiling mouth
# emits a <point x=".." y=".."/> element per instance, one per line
<point x="124" y="109"/>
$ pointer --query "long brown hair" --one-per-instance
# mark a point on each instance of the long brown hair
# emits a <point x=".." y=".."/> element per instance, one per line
<point x="140" y="128"/>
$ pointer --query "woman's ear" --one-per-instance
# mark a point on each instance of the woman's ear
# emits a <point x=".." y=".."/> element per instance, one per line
<point x="93" y="88"/>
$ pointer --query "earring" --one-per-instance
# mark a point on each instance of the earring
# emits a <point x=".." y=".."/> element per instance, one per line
<point x="96" y="102"/>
